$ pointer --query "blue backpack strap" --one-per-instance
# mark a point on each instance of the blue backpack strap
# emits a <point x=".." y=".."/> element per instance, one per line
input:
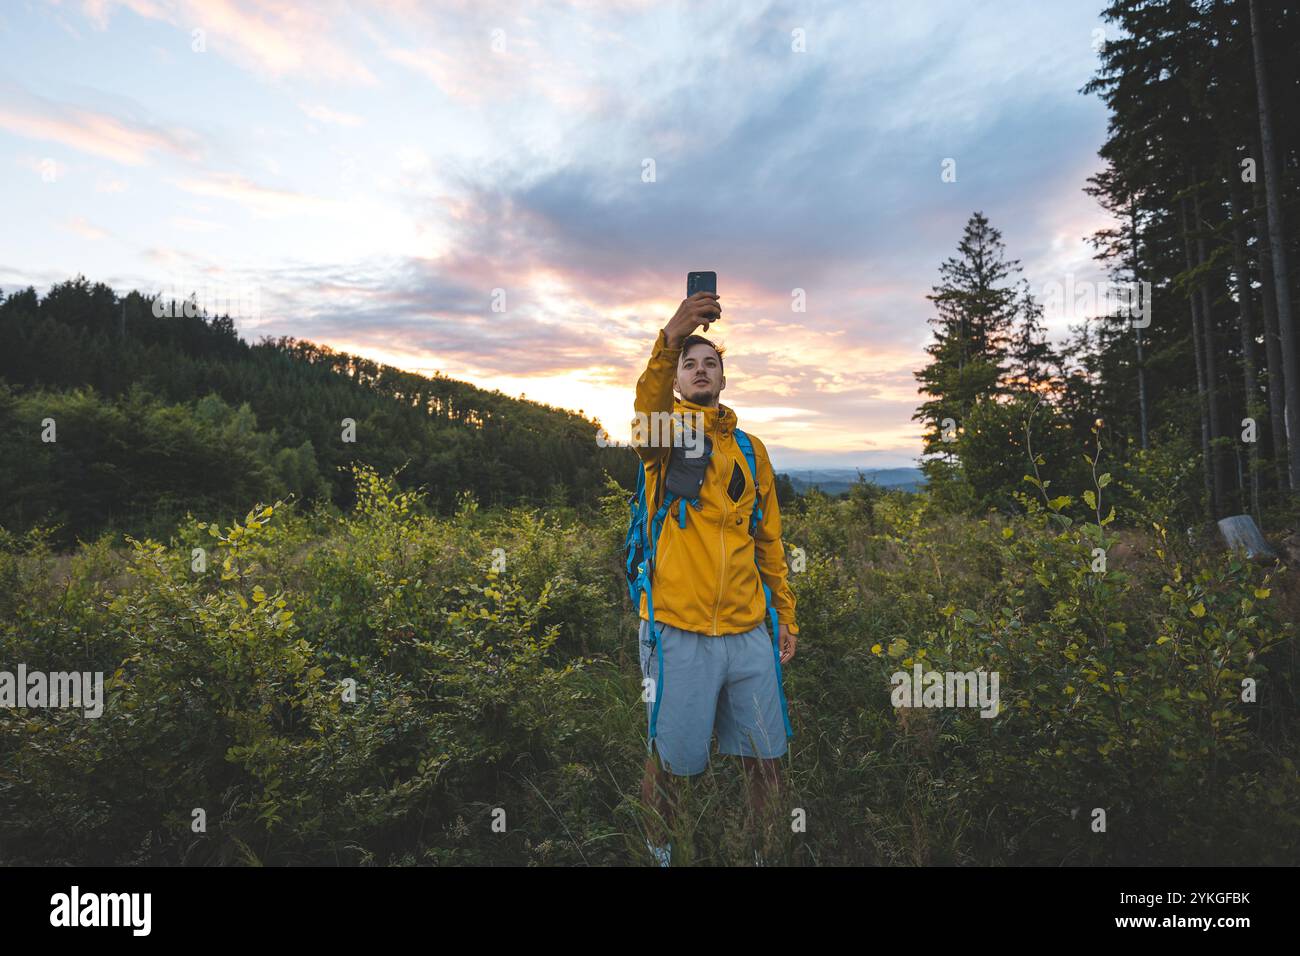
<point x="643" y="539"/>
<point x="634" y="543"/>
<point x="747" y="447"/>
<point x="656" y="526"/>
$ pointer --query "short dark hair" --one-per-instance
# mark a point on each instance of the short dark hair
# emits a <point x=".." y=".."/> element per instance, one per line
<point x="701" y="340"/>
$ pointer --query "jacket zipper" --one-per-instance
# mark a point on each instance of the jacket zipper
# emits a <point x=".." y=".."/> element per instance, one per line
<point x="722" y="560"/>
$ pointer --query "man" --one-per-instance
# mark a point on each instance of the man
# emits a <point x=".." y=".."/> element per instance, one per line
<point x="719" y="666"/>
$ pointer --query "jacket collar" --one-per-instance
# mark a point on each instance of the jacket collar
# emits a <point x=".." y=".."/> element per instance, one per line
<point x="719" y="421"/>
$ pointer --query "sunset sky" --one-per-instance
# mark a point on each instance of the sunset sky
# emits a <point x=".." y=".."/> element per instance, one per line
<point x="375" y="170"/>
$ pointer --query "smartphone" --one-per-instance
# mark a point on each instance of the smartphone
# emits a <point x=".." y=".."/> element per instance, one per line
<point x="701" y="282"/>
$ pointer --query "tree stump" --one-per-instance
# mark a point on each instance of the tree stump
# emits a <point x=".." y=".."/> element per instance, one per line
<point x="1240" y="531"/>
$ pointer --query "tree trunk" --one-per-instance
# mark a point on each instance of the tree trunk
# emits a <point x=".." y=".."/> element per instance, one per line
<point x="1277" y="243"/>
<point x="1141" y="362"/>
<point x="1200" y="364"/>
<point x="1246" y="314"/>
<point x="1209" y="348"/>
<point x="1272" y="345"/>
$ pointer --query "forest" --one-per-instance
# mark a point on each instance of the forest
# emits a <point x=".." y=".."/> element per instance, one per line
<point x="155" y="416"/>
<point x="1194" y="394"/>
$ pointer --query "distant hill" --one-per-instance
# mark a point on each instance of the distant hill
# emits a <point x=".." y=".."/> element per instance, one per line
<point x="117" y="415"/>
<point x="833" y="481"/>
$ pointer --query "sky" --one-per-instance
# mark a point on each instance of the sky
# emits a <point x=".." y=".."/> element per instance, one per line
<point x="512" y="194"/>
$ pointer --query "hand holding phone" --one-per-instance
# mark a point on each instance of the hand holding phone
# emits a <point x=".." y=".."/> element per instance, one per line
<point x="702" y="308"/>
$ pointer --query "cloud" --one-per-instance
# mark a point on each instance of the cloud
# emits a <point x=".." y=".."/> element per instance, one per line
<point x="99" y="11"/>
<point x="324" y="114"/>
<point x="273" y="38"/>
<point x="817" y="171"/>
<point x="262" y="201"/>
<point x="84" y="229"/>
<point x="126" y="141"/>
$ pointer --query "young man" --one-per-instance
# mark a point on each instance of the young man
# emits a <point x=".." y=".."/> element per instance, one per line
<point x="719" y="669"/>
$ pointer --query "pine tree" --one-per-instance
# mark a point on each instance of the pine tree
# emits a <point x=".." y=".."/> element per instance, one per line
<point x="975" y="309"/>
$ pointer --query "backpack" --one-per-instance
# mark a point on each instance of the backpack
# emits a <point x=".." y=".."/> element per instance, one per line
<point x="639" y="564"/>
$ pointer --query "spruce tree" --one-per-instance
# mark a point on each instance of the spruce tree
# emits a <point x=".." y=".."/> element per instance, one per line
<point x="975" y="308"/>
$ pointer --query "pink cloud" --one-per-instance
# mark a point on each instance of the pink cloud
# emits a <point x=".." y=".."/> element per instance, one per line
<point x="271" y="37"/>
<point x="84" y="229"/>
<point x="125" y="141"/>
<point x="261" y="200"/>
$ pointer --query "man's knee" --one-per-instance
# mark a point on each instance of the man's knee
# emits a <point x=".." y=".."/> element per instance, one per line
<point x="657" y="775"/>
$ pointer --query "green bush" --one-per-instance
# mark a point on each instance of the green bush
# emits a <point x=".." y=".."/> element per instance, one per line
<point x="497" y="719"/>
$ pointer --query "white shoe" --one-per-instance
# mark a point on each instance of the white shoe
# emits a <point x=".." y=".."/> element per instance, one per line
<point x="663" y="854"/>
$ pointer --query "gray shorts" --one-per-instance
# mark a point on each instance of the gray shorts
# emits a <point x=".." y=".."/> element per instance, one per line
<point x="725" y="684"/>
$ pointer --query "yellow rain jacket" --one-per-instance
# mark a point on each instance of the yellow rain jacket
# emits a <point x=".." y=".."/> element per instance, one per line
<point x="705" y="577"/>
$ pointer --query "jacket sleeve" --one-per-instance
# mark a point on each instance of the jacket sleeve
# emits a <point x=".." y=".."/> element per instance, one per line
<point x="767" y="543"/>
<point x="654" y="402"/>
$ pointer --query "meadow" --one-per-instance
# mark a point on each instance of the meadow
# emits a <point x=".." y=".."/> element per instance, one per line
<point x="388" y="686"/>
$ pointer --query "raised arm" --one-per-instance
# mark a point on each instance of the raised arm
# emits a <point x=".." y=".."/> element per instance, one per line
<point x="654" y="389"/>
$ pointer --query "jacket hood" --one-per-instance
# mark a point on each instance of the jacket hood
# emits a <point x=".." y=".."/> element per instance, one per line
<point x="719" y="421"/>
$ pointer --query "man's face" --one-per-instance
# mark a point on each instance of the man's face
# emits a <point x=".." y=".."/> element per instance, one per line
<point x="699" y="375"/>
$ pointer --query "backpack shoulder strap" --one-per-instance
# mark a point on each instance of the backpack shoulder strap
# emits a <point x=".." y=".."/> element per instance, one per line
<point x="747" y="447"/>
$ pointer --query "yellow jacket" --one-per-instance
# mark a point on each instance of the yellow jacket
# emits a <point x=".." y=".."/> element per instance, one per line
<point x="705" y="577"/>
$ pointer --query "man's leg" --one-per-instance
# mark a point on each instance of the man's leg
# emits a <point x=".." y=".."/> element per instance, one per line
<point x="751" y="726"/>
<point x="763" y="780"/>
<point x="694" y="669"/>
<point x="659" y="795"/>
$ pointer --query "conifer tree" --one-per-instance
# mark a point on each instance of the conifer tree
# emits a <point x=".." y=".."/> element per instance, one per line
<point x="975" y="307"/>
